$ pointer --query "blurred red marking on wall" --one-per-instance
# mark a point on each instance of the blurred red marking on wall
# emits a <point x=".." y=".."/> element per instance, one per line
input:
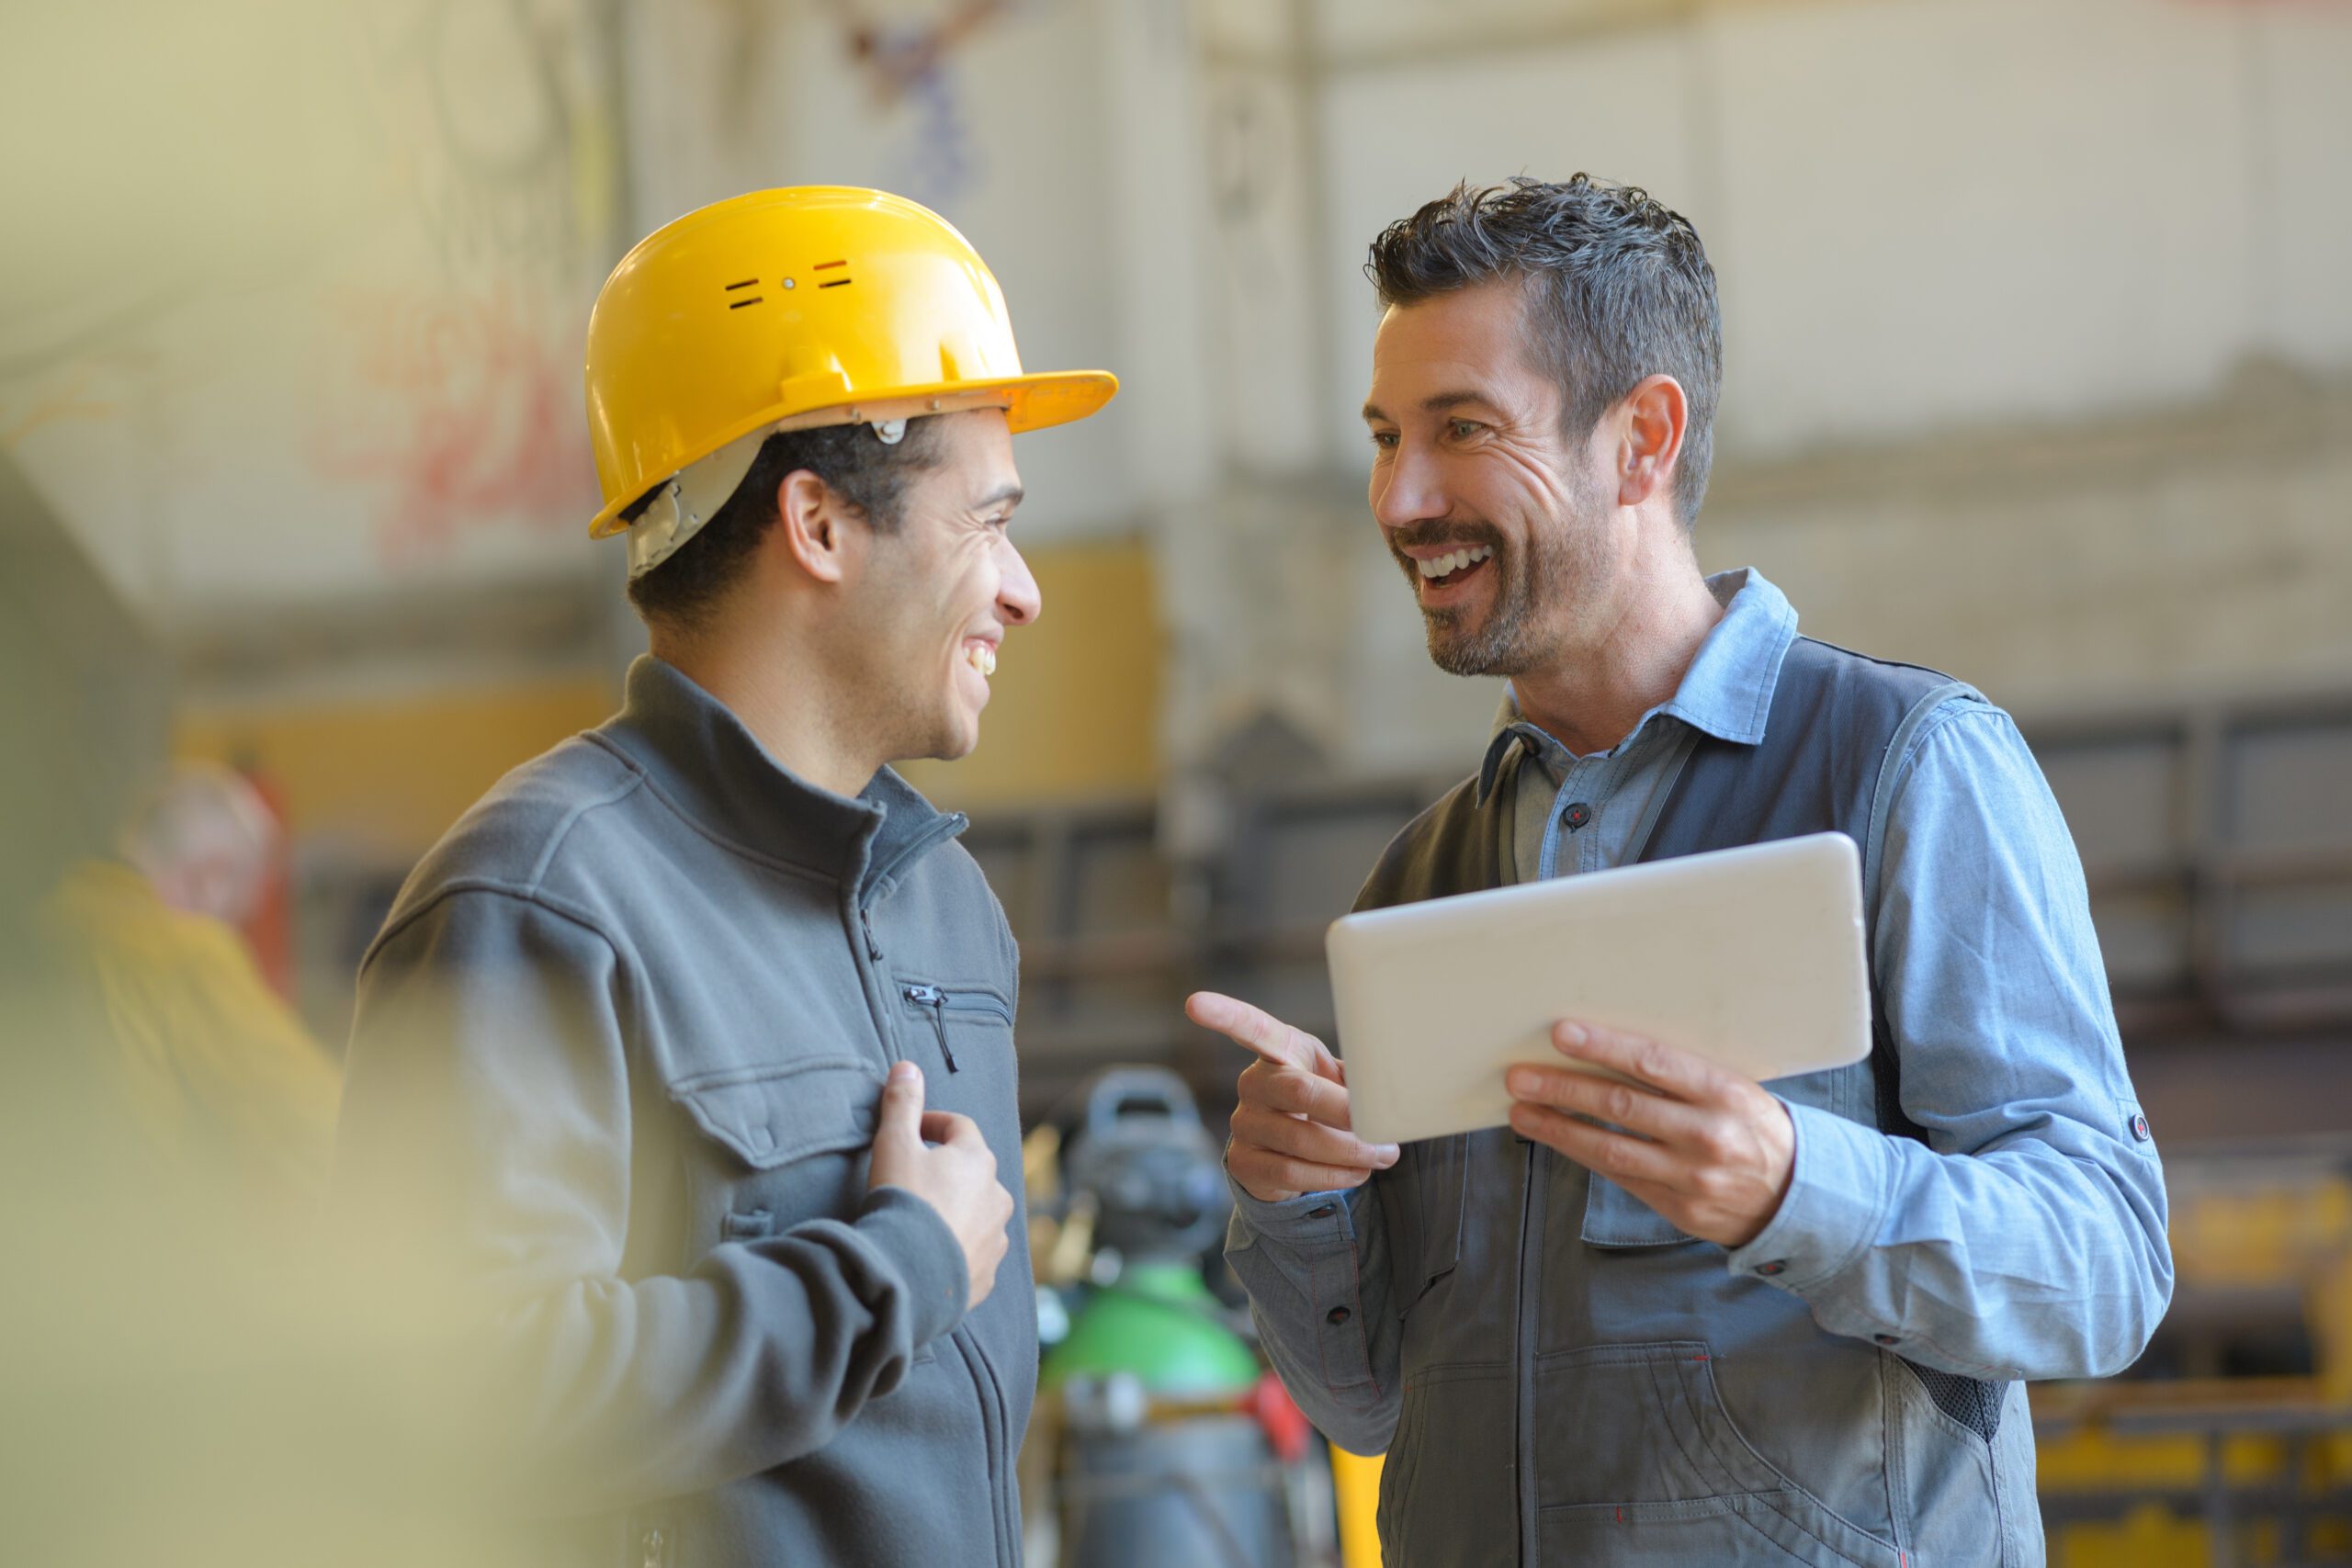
<point x="70" y="398"/>
<point x="465" y="415"/>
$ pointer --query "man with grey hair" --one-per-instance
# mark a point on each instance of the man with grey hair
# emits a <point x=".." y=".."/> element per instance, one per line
<point x="1677" y="1316"/>
<point x="207" y="842"/>
<point x="213" y="1078"/>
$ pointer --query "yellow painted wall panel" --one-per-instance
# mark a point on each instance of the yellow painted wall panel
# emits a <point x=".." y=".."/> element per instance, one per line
<point x="1074" y="710"/>
<point x="390" y="775"/>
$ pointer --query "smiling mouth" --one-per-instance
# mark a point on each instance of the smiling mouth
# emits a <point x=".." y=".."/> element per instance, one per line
<point x="982" y="657"/>
<point x="1444" y="571"/>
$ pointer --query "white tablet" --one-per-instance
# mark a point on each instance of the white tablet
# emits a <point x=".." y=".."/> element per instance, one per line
<point x="1751" y="957"/>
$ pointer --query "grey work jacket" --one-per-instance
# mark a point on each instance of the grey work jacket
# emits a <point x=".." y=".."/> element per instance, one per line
<point x="615" y="1066"/>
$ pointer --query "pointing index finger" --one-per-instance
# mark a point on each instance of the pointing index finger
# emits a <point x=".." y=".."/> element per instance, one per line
<point x="1273" y="1041"/>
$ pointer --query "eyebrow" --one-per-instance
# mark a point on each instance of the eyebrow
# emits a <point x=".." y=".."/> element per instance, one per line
<point x="1001" y="495"/>
<point x="1437" y="403"/>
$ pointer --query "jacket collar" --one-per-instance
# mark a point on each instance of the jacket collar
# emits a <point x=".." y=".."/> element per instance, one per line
<point x="698" y="756"/>
<point x="1727" y="690"/>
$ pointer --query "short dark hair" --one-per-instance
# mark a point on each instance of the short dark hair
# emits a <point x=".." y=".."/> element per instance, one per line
<point x="1625" y="292"/>
<point x="855" y="462"/>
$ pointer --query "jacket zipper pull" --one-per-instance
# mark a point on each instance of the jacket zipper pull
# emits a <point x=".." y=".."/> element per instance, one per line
<point x="865" y="924"/>
<point x="935" y="1000"/>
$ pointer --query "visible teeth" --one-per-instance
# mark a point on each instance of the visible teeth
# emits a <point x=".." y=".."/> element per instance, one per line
<point x="982" y="658"/>
<point x="1448" y="564"/>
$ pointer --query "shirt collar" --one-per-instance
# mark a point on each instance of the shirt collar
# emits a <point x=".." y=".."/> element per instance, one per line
<point x="1727" y="690"/>
<point x="701" y="758"/>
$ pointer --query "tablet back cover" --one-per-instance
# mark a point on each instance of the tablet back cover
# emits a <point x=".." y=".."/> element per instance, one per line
<point x="1751" y="957"/>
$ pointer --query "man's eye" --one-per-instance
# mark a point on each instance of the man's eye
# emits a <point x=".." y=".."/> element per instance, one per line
<point x="1384" y="439"/>
<point x="1464" y="429"/>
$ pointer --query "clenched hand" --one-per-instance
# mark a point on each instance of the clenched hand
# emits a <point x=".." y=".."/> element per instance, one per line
<point x="941" y="1158"/>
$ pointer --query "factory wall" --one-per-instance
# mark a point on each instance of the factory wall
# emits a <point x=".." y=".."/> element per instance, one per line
<point x="2043" y="296"/>
<point x="307" y="299"/>
<point x="2036" y="371"/>
<point x="2035" y="361"/>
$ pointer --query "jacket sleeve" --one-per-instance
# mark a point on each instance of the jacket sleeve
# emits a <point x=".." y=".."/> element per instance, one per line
<point x="1316" y="1270"/>
<point x="2024" y="1238"/>
<point x="483" y="1161"/>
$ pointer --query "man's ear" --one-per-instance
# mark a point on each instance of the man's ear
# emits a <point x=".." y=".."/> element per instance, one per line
<point x="1655" y="415"/>
<point x="811" y="524"/>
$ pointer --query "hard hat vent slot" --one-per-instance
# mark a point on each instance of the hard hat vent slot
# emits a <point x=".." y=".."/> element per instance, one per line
<point x="745" y="284"/>
<point x="739" y="304"/>
<point x="827" y="267"/>
<point x="837" y="283"/>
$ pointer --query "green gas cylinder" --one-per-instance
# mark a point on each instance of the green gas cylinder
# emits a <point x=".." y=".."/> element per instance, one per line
<point x="1159" y="1324"/>
<point x="1159" y="1465"/>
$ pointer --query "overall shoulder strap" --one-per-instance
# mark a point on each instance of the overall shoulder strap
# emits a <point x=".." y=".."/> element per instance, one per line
<point x="1838" y="721"/>
<point x="1454" y="847"/>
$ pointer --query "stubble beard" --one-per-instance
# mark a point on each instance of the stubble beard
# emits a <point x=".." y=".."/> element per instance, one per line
<point x="1543" y="575"/>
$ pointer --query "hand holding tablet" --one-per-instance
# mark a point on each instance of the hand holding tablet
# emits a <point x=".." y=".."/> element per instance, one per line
<point x="1711" y="971"/>
<point x="1750" y="957"/>
<point x="1708" y="1148"/>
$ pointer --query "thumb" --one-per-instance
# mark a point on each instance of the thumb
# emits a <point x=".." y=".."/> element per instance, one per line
<point x="900" y="1123"/>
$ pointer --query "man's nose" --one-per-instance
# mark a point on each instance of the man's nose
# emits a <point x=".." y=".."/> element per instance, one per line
<point x="1406" y="491"/>
<point x="1018" y="600"/>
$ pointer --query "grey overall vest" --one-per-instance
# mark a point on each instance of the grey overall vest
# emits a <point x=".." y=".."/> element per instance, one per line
<point x="1584" y="1384"/>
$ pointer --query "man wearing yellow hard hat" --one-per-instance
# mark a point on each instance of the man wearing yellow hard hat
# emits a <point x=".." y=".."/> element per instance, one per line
<point x="691" y="1045"/>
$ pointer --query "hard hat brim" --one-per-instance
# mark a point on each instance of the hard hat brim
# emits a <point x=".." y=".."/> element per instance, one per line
<point x="1030" y="402"/>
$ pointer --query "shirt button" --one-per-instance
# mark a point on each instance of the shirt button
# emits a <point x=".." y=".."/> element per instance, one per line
<point x="1577" y="815"/>
<point x="1778" y="1266"/>
<point x="1322" y="1211"/>
<point x="1336" y="1316"/>
<point x="2140" y="1127"/>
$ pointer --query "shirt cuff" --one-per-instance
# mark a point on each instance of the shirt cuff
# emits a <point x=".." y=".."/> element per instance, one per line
<point x="1311" y="1218"/>
<point x="1837" y="1191"/>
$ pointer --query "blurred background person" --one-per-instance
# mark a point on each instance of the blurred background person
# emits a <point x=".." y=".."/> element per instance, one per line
<point x="223" y="1083"/>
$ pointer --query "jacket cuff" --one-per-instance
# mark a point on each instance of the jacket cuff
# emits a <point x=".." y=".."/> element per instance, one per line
<point x="1310" y="1219"/>
<point x="915" y="1241"/>
<point x="1838" y="1192"/>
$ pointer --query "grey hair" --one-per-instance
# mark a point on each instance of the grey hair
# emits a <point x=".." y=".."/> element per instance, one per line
<point x="1621" y="288"/>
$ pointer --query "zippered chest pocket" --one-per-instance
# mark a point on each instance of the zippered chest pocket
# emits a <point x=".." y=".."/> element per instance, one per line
<point x="967" y="1018"/>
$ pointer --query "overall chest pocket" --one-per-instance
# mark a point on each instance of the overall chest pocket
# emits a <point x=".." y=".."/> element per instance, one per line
<point x="968" y="1025"/>
<point x="781" y="1142"/>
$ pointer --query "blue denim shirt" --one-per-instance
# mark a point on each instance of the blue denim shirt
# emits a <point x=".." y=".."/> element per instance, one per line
<point x="2023" y="1240"/>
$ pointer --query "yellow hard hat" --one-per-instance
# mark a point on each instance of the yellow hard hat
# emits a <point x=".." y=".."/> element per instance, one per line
<point x="787" y="309"/>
